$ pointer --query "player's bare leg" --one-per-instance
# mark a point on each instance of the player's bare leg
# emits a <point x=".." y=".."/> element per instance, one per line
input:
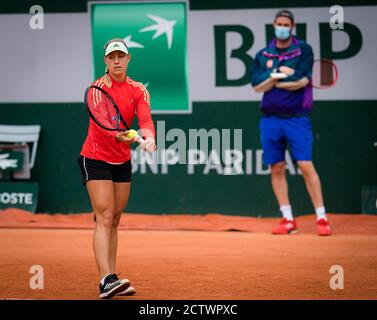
<point x="101" y="195"/>
<point x="121" y="195"/>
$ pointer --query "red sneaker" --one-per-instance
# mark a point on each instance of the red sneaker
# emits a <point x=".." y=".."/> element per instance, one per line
<point x="286" y="227"/>
<point x="323" y="228"/>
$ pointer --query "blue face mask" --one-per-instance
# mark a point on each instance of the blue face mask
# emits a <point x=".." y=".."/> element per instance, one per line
<point x="282" y="33"/>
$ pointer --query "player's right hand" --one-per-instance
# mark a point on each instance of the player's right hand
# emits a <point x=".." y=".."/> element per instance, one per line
<point x="149" y="145"/>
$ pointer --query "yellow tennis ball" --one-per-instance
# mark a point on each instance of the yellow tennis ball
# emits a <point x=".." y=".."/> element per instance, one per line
<point x="131" y="133"/>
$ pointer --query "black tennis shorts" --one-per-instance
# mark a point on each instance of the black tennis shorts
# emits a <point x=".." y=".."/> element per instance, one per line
<point x="100" y="170"/>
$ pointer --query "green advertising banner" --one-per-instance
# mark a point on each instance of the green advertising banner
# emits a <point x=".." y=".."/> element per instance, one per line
<point x="156" y="36"/>
<point x="22" y="195"/>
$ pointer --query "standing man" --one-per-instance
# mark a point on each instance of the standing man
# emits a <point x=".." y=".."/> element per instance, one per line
<point x="282" y="71"/>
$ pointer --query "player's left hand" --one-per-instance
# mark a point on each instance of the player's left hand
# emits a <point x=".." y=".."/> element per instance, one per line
<point x="149" y="145"/>
<point x="287" y="70"/>
<point x="122" y="137"/>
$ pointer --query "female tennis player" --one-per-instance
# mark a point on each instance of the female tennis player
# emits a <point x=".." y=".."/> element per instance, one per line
<point x="105" y="163"/>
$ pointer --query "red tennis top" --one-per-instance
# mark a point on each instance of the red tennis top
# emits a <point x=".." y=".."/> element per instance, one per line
<point x="132" y="98"/>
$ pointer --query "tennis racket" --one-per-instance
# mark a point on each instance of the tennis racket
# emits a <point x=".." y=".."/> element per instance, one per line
<point x="104" y="112"/>
<point x="325" y="74"/>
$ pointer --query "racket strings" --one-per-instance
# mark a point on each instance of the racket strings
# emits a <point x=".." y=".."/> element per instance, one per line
<point x="102" y="109"/>
<point x="325" y="74"/>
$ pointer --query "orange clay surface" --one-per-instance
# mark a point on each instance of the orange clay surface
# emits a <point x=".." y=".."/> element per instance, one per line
<point x="190" y="257"/>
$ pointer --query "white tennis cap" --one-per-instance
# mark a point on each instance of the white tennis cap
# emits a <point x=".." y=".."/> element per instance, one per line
<point x="116" y="46"/>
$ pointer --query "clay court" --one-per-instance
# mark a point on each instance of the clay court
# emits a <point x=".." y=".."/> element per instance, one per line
<point x="190" y="257"/>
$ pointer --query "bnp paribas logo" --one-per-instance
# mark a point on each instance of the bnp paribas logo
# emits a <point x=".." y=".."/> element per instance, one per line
<point x="156" y="36"/>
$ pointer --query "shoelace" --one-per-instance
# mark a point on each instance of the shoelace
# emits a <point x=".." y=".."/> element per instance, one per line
<point x="323" y="222"/>
<point x="109" y="285"/>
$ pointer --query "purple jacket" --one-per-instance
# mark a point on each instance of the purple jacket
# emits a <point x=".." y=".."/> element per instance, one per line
<point x="299" y="56"/>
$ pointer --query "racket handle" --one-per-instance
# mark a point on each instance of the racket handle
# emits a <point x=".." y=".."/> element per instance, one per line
<point x="139" y="139"/>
